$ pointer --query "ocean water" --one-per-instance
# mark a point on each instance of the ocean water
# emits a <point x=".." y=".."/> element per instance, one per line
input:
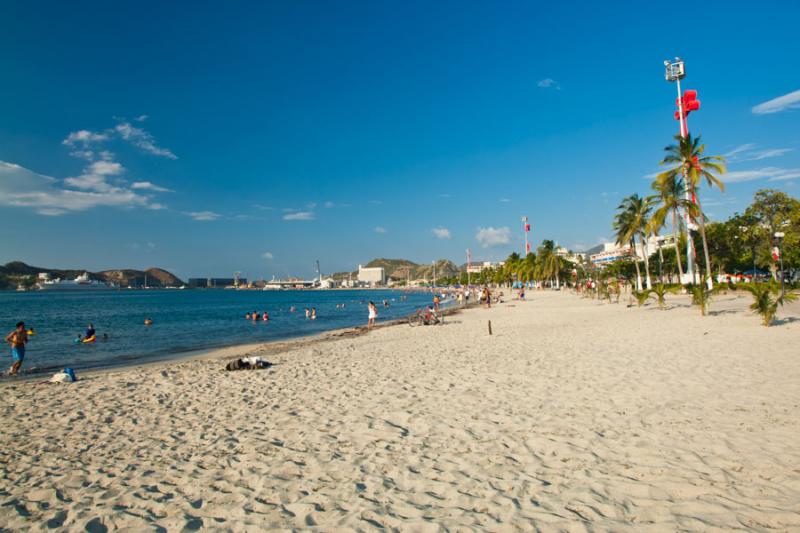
<point x="184" y="321"/>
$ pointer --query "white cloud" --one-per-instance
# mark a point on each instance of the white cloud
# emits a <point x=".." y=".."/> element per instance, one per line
<point x="380" y="229"/>
<point x="141" y="118"/>
<point x="548" y="83"/>
<point x="268" y="255"/>
<point x="95" y="175"/>
<point x="441" y="233"/>
<point x="741" y="148"/>
<point x="84" y="137"/>
<point x="489" y="237"/>
<point x="329" y="205"/>
<point x="20" y="187"/>
<point x="776" y="105"/>
<point x="505" y="200"/>
<point x="788" y="175"/>
<point x="299" y="215"/>
<point x="770" y="173"/>
<point x="375" y="202"/>
<point x="263" y="207"/>
<point x="765" y="154"/>
<point x="149" y="186"/>
<point x="203" y="216"/>
<point x="142" y="139"/>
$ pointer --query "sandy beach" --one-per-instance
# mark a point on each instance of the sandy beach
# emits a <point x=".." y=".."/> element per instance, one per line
<point x="575" y="415"/>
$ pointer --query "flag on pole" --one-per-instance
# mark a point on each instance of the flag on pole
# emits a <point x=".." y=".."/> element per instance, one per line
<point x="527" y="228"/>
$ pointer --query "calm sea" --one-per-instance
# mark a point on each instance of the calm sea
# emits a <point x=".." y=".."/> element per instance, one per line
<point x="183" y="321"/>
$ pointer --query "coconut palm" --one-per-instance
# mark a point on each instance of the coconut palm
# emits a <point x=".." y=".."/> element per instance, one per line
<point x="670" y="199"/>
<point x="548" y="262"/>
<point x="766" y="299"/>
<point x="660" y="292"/>
<point x="689" y="162"/>
<point x="630" y="221"/>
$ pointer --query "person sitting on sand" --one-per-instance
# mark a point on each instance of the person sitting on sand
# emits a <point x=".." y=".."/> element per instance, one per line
<point x="373" y="314"/>
<point x="17" y="340"/>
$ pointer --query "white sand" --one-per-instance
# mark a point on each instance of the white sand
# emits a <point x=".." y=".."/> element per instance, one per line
<point x="575" y="415"/>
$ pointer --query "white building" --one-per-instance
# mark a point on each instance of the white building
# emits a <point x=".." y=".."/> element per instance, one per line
<point x="574" y="257"/>
<point x="372" y="275"/>
<point x="613" y="252"/>
<point x="477" y="268"/>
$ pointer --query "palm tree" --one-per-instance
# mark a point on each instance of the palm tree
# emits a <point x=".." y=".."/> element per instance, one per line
<point x="670" y="195"/>
<point x="689" y="161"/>
<point x="548" y="262"/>
<point x="630" y="221"/>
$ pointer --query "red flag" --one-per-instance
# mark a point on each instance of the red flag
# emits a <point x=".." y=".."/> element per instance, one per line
<point x="528" y="247"/>
<point x="527" y="227"/>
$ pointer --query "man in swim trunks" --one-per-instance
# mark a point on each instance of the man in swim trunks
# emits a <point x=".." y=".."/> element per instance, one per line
<point x="17" y="339"/>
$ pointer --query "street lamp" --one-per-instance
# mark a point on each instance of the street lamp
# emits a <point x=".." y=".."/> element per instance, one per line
<point x="779" y="236"/>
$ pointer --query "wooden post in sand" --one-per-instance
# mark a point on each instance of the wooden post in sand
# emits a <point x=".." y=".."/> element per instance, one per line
<point x="490" y="327"/>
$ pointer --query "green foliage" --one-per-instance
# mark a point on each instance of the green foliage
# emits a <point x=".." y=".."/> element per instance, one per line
<point x="660" y="291"/>
<point x="701" y="296"/>
<point x="766" y="299"/>
<point x="641" y="296"/>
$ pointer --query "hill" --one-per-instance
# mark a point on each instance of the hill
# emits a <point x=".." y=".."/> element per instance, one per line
<point x="17" y="272"/>
<point x="402" y="269"/>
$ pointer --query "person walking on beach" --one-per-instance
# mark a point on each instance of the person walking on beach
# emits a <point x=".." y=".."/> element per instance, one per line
<point x="373" y="314"/>
<point x="436" y="301"/>
<point x="17" y="340"/>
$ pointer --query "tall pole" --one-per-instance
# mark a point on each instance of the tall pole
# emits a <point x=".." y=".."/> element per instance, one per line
<point x="525" y="230"/>
<point x="684" y="130"/>
<point x="434" y="275"/>
<point x="469" y="264"/>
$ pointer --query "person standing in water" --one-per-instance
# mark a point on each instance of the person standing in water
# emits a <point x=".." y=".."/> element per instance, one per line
<point x="17" y="340"/>
<point x="373" y="314"/>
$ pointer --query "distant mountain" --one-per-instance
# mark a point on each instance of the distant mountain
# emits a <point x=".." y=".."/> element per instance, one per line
<point x="402" y="269"/>
<point x="594" y="250"/>
<point x="18" y="272"/>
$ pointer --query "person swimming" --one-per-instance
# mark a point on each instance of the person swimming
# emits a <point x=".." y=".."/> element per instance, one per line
<point x="247" y="316"/>
<point x="148" y="321"/>
<point x="308" y="312"/>
<point x="265" y="317"/>
<point x="313" y="313"/>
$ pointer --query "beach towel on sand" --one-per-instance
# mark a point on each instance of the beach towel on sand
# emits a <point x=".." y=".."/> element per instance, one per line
<point x="248" y="363"/>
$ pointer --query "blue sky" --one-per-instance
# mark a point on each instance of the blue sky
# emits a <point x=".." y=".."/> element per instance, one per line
<point x="260" y="137"/>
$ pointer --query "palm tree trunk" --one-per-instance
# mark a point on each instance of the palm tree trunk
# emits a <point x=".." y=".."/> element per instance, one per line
<point x="709" y="281"/>
<point x="636" y="263"/>
<point x="646" y="260"/>
<point x="675" y="233"/>
<point x="660" y="262"/>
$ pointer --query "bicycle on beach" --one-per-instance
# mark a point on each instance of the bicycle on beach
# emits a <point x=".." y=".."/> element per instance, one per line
<point x="425" y="317"/>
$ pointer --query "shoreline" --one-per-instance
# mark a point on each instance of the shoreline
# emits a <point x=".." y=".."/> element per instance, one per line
<point x="232" y="351"/>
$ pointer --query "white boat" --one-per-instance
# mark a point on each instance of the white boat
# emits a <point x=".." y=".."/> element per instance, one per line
<point x="81" y="283"/>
